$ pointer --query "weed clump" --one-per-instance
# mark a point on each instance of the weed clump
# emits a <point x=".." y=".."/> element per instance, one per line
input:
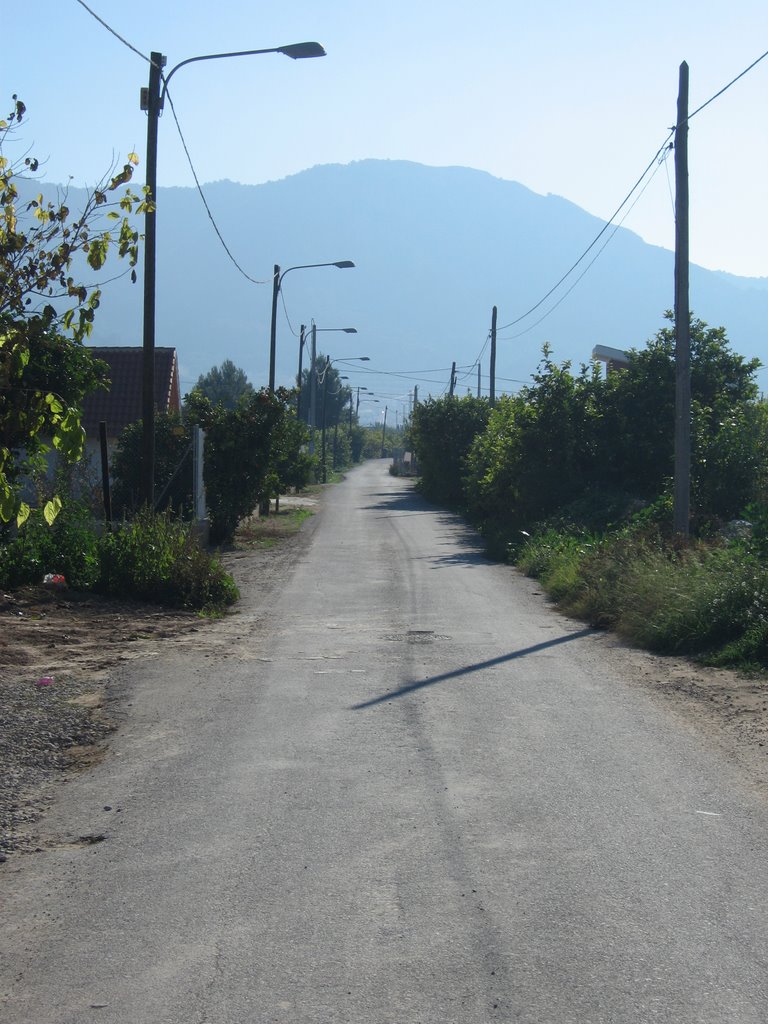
<point x="709" y="600"/>
<point x="158" y="558"/>
<point x="153" y="558"/>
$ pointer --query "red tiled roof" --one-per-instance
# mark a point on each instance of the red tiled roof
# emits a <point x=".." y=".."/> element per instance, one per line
<point x="121" y="405"/>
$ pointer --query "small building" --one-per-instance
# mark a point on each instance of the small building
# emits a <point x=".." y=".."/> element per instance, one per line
<point x="122" y="404"/>
<point x="614" y="358"/>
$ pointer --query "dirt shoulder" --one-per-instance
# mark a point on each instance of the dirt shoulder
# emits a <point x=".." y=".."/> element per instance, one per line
<point x="57" y="650"/>
<point x="729" y="709"/>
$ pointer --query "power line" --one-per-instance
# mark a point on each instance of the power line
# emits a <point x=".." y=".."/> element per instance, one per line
<point x="470" y="369"/>
<point x="114" y="33"/>
<point x="597" y="237"/>
<point x="591" y="262"/>
<point x="727" y="87"/>
<point x="291" y="328"/>
<point x="665" y="146"/>
<point x="183" y="142"/>
<point x="219" y="235"/>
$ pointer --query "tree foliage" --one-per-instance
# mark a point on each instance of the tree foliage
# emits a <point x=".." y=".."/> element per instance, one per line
<point x="239" y="448"/>
<point x="443" y="430"/>
<point x="580" y="444"/>
<point x="337" y="394"/>
<point x="173" y="466"/>
<point x="40" y="242"/>
<point x="224" y="385"/>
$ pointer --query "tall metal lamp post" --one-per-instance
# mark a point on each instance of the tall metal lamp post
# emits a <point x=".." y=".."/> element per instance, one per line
<point x="152" y="100"/>
<point x="313" y="350"/>
<point x="277" y="280"/>
<point x="328" y="364"/>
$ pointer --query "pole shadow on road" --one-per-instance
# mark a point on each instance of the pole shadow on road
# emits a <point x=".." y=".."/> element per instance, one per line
<point x="468" y="669"/>
<point x="400" y="504"/>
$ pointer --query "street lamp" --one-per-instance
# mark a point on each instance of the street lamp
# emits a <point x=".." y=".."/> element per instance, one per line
<point x="152" y="100"/>
<point x="302" y="338"/>
<point x="277" y="280"/>
<point x="375" y="401"/>
<point x="357" y="404"/>
<point x="338" y="417"/>
<point x="328" y="364"/>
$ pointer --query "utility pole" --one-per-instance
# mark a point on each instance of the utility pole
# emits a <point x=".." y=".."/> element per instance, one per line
<point x="415" y="395"/>
<point x="453" y="379"/>
<point x="682" y="490"/>
<point x="492" y="393"/>
<point x="384" y="431"/>
<point x="273" y="327"/>
<point x="312" y="391"/>
<point x="322" y="429"/>
<point x="150" y="101"/>
<point x="478" y="379"/>
<point x="298" y="377"/>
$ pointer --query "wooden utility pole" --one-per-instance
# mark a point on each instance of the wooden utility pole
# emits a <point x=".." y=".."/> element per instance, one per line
<point x="478" y="380"/>
<point x="312" y="389"/>
<point x="150" y="101"/>
<point x="492" y="392"/>
<point x="105" y="474"/>
<point x="298" y="375"/>
<point x="453" y="379"/>
<point x="682" y="495"/>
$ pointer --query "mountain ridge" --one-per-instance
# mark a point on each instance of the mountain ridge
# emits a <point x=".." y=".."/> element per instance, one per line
<point x="435" y="249"/>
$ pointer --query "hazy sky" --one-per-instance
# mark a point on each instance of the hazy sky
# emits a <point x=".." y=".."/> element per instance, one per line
<point x="567" y="98"/>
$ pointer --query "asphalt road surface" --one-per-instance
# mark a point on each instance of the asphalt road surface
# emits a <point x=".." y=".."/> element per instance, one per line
<point x="405" y="791"/>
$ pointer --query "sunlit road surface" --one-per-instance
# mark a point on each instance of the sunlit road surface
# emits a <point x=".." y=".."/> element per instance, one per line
<point x="408" y="792"/>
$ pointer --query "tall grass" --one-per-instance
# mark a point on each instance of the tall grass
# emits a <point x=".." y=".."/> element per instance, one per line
<point x="710" y="600"/>
<point x="157" y="558"/>
<point x="153" y="558"/>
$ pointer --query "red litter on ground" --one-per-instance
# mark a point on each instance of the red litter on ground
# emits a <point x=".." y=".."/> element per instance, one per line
<point x="54" y="579"/>
<point x="44" y="681"/>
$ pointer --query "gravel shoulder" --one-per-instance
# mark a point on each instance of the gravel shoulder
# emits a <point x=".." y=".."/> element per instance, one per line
<point x="59" y="649"/>
<point x="58" y="653"/>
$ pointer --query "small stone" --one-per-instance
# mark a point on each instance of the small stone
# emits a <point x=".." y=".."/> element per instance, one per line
<point x="107" y="807"/>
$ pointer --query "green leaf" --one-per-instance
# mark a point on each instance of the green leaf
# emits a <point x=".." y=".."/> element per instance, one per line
<point x="23" y="514"/>
<point x="51" y="509"/>
<point x="97" y="253"/>
<point x="7" y="500"/>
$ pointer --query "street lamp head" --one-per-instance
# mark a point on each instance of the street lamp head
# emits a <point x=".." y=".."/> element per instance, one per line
<point x="349" y="330"/>
<point x="301" y="51"/>
<point x="343" y="264"/>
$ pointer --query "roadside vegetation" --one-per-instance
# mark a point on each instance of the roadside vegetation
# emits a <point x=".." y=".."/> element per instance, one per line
<point x="571" y="480"/>
<point x="154" y="557"/>
<point x="257" y="446"/>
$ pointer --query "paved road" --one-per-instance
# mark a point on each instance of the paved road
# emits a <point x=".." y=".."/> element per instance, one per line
<point x="407" y="792"/>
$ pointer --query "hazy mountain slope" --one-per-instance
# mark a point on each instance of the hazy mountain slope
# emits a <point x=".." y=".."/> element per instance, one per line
<point x="435" y="249"/>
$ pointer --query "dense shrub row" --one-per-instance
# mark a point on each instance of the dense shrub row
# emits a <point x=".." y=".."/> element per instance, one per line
<point x="709" y="599"/>
<point x="253" y="451"/>
<point x="571" y="477"/>
<point x="153" y="558"/>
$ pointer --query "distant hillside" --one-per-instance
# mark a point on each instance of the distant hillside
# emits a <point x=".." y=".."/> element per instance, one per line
<point x="435" y="249"/>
